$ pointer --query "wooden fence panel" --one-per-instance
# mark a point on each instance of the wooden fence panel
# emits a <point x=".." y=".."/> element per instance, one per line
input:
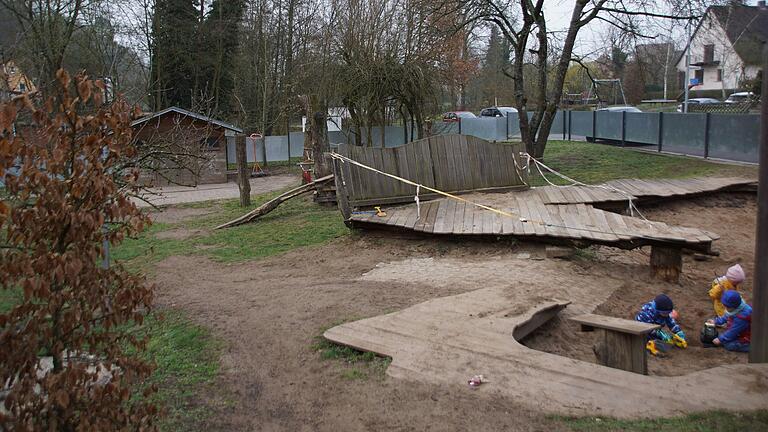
<point x="450" y="163"/>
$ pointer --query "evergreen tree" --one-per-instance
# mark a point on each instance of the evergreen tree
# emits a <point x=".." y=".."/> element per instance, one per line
<point x="221" y="36"/>
<point x="174" y="63"/>
<point x="497" y="60"/>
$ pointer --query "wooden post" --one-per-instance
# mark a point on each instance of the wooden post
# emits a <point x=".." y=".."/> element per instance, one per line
<point x="706" y="135"/>
<point x="666" y="263"/>
<point x="661" y="129"/>
<point x="623" y="128"/>
<point x="243" y="178"/>
<point x="325" y="193"/>
<point x="342" y="196"/>
<point x="623" y="351"/>
<point x="759" y="350"/>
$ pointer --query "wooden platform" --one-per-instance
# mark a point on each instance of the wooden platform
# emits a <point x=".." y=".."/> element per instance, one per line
<point x="447" y="340"/>
<point x="640" y="190"/>
<point x="572" y="222"/>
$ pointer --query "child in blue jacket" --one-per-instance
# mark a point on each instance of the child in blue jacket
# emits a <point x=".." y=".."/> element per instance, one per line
<point x="658" y="312"/>
<point x="738" y="318"/>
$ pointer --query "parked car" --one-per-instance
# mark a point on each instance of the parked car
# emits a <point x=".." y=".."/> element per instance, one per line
<point x="497" y="111"/>
<point x="740" y="97"/>
<point x="620" y="109"/>
<point x="698" y="101"/>
<point x="454" y="116"/>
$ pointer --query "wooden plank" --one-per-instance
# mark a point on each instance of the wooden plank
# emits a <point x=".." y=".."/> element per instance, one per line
<point x="426" y="165"/>
<point x="579" y="191"/>
<point x="434" y="209"/>
<point x="473" y="164"/>
<point x="488" y="221"/>
<point x="414" y="165"/>
<point x="623" y="351"/>
<point x="462" y="162"/>
<point x="539" y="224"/>
<point x="529" y="227"/>
<point x="439" y="164"/>
<point x="553" y="214"/>
<point x="458" y="218"/>
<point x="469" y="214"/>
<point x="445" y="225"/>
<point x="572" y="226"/>
<point x="497" y="223"/>
<point x="615" y="324"/>
<point x="510" y="224"/>
<point x="477" y="220"/>
<point x="412" y="218"/>
<point x="421" y="224"/>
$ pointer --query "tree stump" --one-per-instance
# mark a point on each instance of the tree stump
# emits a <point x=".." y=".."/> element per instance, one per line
<point x="666" y="263"/>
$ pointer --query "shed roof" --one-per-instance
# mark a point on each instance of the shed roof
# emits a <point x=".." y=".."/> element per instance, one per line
<point x="187" y="113"/>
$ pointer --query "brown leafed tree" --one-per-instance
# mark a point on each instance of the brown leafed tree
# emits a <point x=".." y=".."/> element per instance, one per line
<point x="67" y="359"/>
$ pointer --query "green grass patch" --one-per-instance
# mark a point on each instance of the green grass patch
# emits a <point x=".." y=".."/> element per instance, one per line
<point x="186" y="358"/>
<point x="360" y="365"/>
<point x="710" y="421"/>
<point x="296" y="223"/>
<point x="597" y="163"/>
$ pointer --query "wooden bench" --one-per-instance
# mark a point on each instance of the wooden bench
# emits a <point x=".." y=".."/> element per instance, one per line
<point x="623" y="344"/>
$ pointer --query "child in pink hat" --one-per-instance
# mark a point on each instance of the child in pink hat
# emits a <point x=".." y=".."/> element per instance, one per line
<point x="731" y="281"/>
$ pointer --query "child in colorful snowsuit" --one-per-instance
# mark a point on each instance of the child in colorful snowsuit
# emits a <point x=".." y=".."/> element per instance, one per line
<point x="730" y="281"/>
<point x="738" y="321"/>
<point x="658" y="311"/>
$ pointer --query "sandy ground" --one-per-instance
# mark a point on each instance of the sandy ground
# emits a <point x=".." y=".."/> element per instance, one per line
<point x="730" y="215"/>
<point x="269" y="313"/>
<point x="168" y="195"/>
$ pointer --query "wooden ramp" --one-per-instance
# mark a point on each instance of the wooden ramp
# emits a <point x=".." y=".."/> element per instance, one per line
<point x="639" y="190"/>
<point x="534" y="218"/>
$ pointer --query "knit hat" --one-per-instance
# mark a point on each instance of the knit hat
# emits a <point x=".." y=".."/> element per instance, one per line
<point x="731" y="299"/>
<point x="735" y="274"/>
<point x="663" y="303"/>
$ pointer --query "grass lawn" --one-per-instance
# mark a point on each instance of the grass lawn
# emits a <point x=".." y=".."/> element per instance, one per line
<point x="297" y="223"/>
<point x="597" y="163"/>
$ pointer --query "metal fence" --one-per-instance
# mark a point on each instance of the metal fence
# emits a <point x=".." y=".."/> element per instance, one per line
<point x="723" y="136"/>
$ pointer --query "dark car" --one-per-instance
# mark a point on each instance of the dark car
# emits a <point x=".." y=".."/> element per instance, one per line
<point x="454" y="116"/>
<point x="497" y="111"/>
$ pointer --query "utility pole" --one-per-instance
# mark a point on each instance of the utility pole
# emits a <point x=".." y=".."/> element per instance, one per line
<point x="758" y="352"/>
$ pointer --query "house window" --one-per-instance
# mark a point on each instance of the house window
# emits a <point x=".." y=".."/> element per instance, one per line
<point x="719" y="75"/>
<point x="709" y="53"/>
<point x="22" y="87"/>
<point x="699" y="75"/>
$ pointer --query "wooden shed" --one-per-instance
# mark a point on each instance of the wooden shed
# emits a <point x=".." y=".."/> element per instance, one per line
<point x="197" y="145"/>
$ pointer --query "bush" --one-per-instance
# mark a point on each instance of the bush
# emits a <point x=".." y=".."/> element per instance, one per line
<point x="65" y="362"/>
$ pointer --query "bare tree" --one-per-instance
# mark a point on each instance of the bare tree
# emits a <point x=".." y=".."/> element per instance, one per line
<point x="47" y="27"/>
<point x="536" y="49"/>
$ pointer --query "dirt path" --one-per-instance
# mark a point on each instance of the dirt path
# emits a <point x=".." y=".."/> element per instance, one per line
<point x="269" y="313"/>
<point x="181" y="194"/>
